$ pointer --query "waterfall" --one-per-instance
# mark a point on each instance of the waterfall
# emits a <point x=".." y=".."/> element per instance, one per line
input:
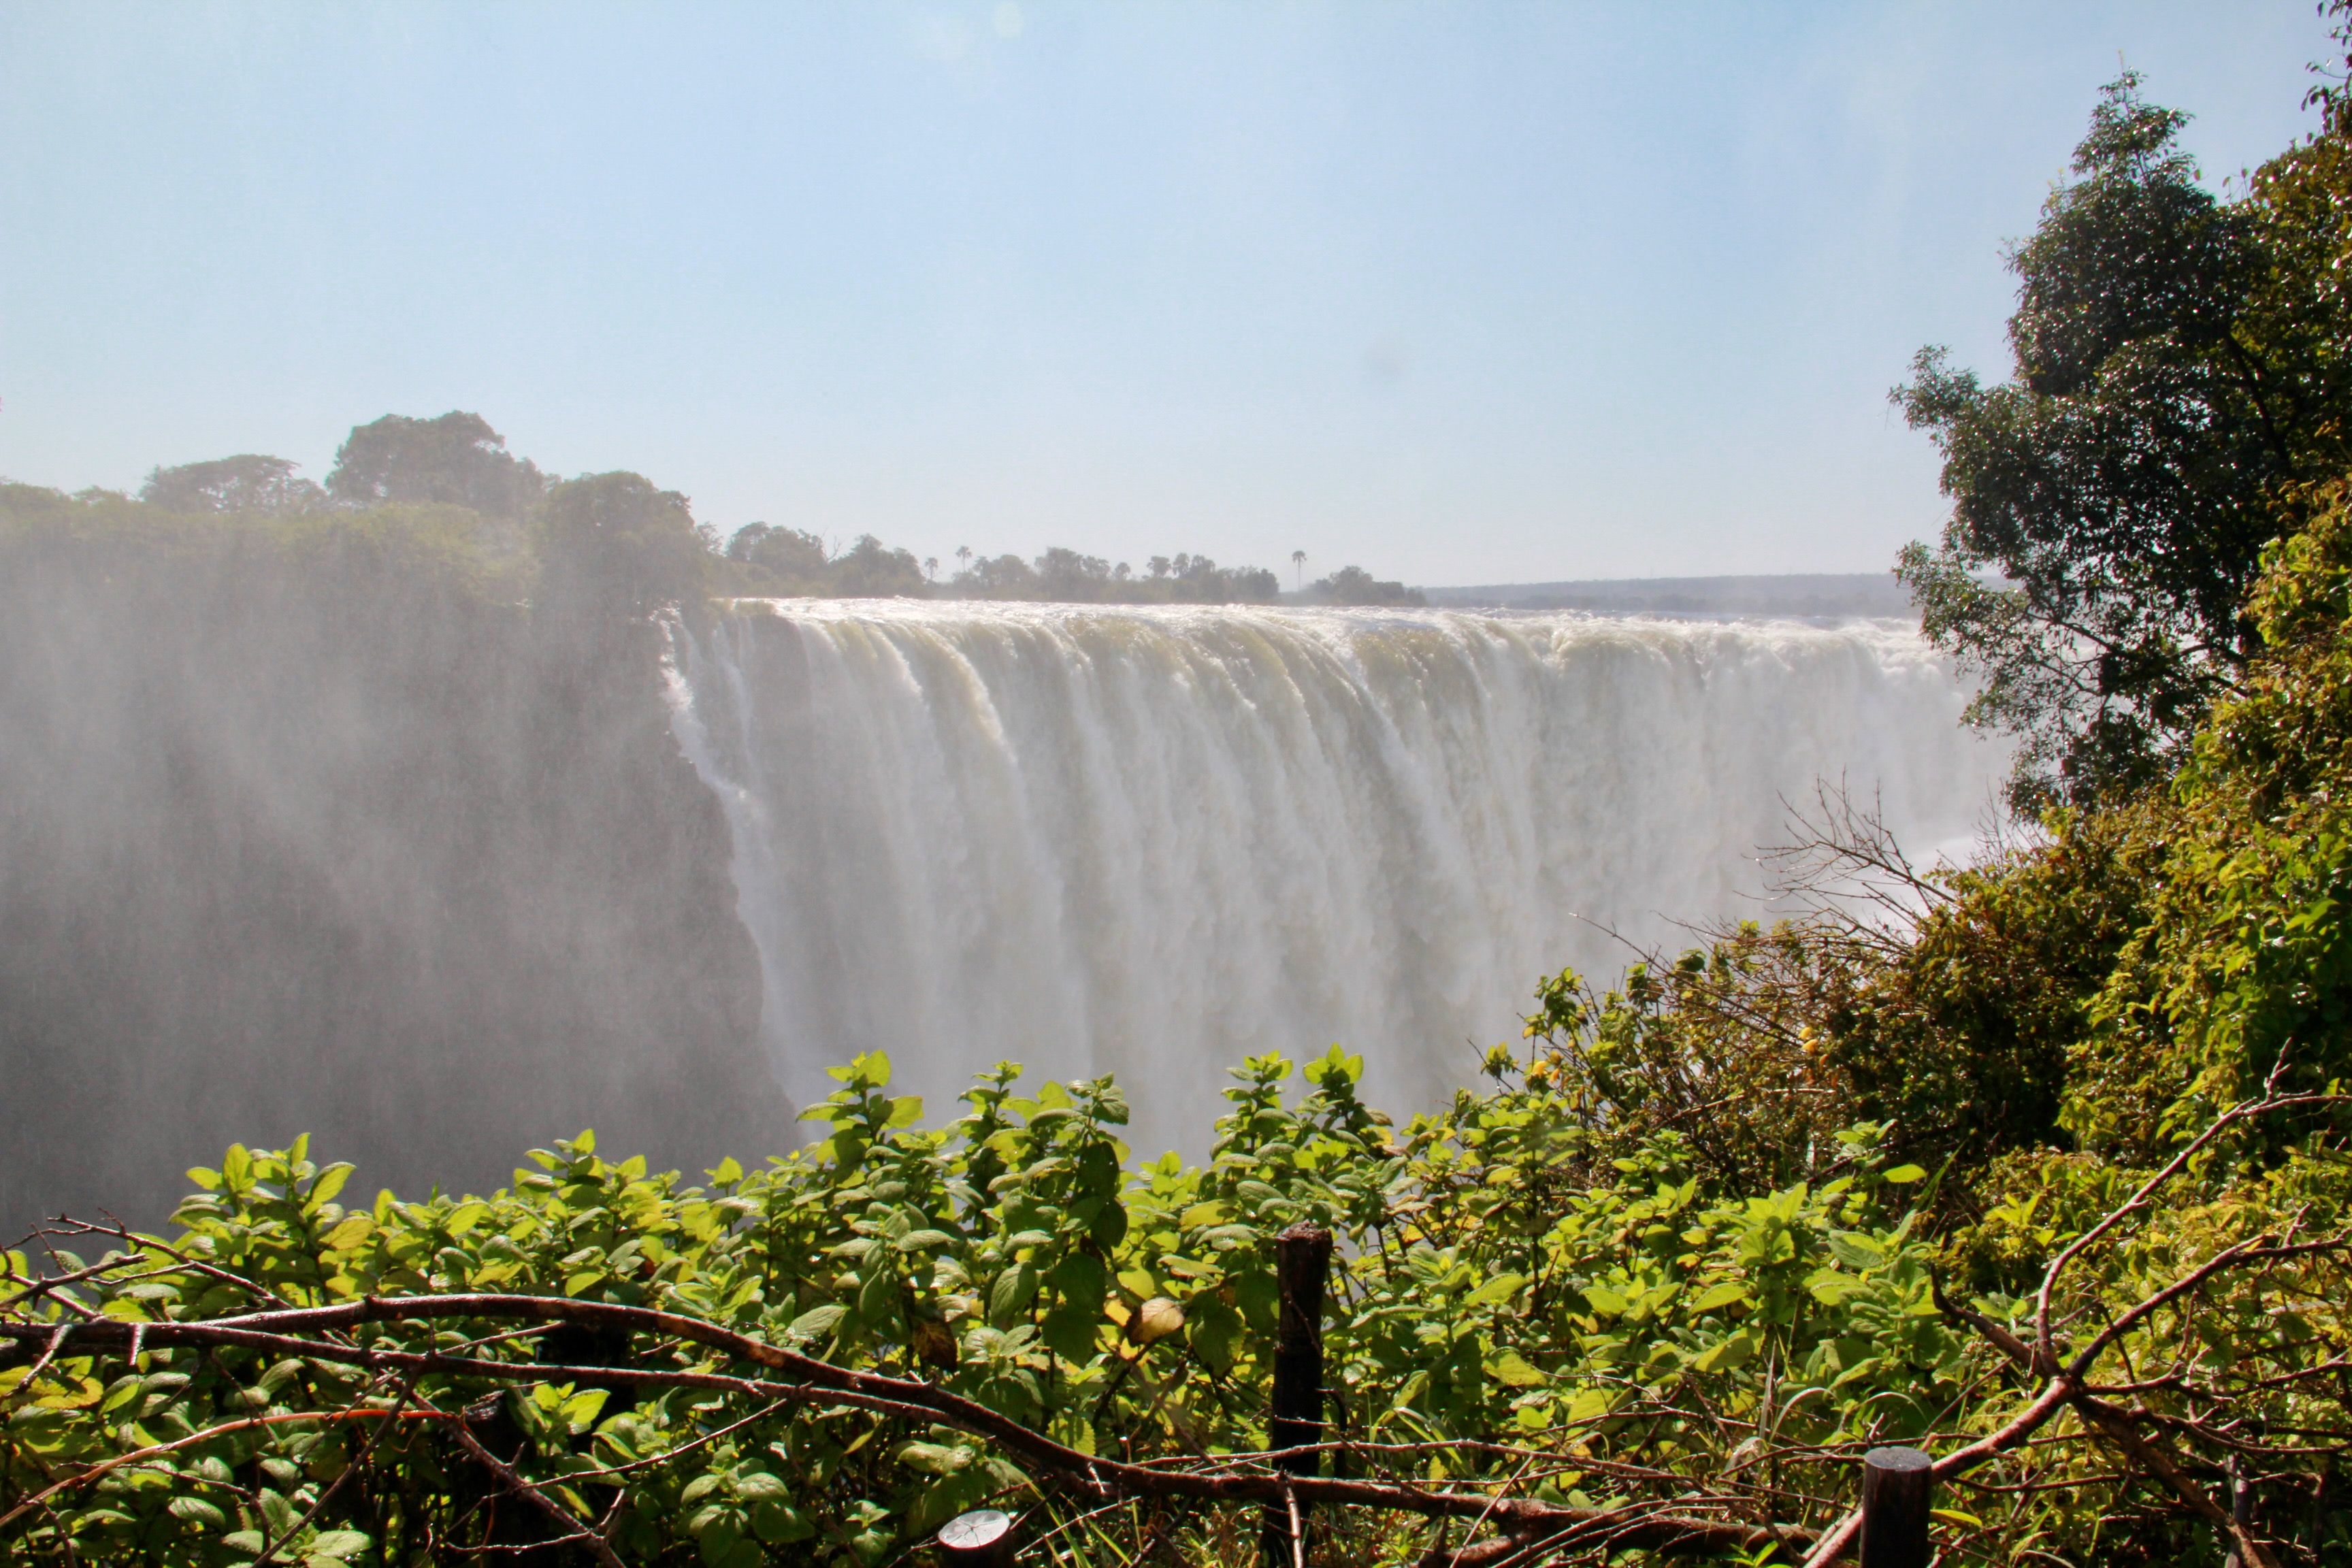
<point x="1150" y="842"/>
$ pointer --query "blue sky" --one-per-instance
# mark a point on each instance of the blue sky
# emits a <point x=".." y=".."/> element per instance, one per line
<point x="1461" y="292"/>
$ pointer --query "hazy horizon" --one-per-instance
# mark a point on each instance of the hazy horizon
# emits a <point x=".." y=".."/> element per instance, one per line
<point x="1521" y="294"/>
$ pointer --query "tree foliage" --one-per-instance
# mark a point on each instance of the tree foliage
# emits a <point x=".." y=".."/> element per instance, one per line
<point x="1354" y="586"/>
<point x="792" y="560"/>
<point x="459" y="460"/>
<point x="786" y="555"/>
<point x="1541" y="1318"/>
<point x="454" y="460"/>
<point x="2180" y="366"/>
<point x="247" y="483"/>
<point x="616" y="544"/>
<point x="1500" y="1287"/>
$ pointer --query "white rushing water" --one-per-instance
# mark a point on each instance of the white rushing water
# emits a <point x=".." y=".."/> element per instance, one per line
<point x="1150" y="842"/>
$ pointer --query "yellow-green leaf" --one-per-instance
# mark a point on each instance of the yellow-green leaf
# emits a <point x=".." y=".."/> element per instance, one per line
<point x="1590" y="1404"/>
<point x="1501" y="1288"/>
<point x="1723" y="1295"/>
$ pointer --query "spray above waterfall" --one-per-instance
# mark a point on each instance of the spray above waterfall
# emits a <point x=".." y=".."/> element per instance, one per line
<point x="1151" y="842"/>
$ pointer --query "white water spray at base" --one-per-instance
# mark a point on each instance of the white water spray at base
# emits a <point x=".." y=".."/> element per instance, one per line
<point x="1152" y="842"/>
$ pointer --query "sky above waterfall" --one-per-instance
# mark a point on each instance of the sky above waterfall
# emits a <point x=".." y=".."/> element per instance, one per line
<point x="1464" y="293"/>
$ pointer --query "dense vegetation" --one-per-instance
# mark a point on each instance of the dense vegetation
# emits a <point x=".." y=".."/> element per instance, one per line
<point x="792" y="562"/>
<point x="458" y="461"/>
<point x="2179" y="372"/>
<point x="2041" y="1165"/>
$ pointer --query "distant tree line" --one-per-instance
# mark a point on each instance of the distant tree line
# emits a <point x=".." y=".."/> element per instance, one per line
<point x="633" y="539"/>
<point x="454" y="460"/>
<point x="790" y="561"/>
<point x="1354" y="586"/>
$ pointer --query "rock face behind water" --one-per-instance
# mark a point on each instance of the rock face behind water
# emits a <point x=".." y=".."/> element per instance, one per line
<point x="319" y="828"/>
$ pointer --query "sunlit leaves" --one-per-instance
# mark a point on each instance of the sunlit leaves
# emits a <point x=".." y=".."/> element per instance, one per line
<point x="1021" y="1257"/>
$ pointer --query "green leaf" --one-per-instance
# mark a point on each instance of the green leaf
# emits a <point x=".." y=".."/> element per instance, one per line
<point x="1515" y="1371"/>
<point x="348" y="1233"/>
<point x="580" y="1411"/>
<point x="1857" y="1251"/>
<point x="1215" y="1331"/>
<point x="878" y="1299"/>
<point x="1011" y="1295"/>
<point x="779" y="1525"/>
<point x="1259" y="1296"/>
<point x="329" y="1182"/>
<point x="1830" y="1288"/>
<point x="933" y="1458"/>
<point x="340" y="1544"/>
<point x="818" y="1321"/>
<point x="1081" y="1280"/>
<point x="1727" y="1355"/>
<point x="719" y="1534"/>
<point x="196" y="1510"/>
<point x="1723" y="1295"/>
<point x="278" y="1511"/>
<point x="1590" y="1404"/>
<point x="1903" y="1175"/>
<point x="1070" y="1331"/>
<point x="1501" y="1288"/>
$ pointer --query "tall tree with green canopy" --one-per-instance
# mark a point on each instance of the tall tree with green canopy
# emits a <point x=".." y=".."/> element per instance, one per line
<point x="2180" y="368"/>
<point x="869" y="569"/>
<point x="454" y="460"/>
<point x="616" y="544"/>
<point x="790" y="555"/>
<point x="248" y="482"/>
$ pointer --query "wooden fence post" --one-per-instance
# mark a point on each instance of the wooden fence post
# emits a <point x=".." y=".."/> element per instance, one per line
<point x="980" y="1539"/>
<point x="1302" y="1266"/>
<point x="1897" y="1489"/>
